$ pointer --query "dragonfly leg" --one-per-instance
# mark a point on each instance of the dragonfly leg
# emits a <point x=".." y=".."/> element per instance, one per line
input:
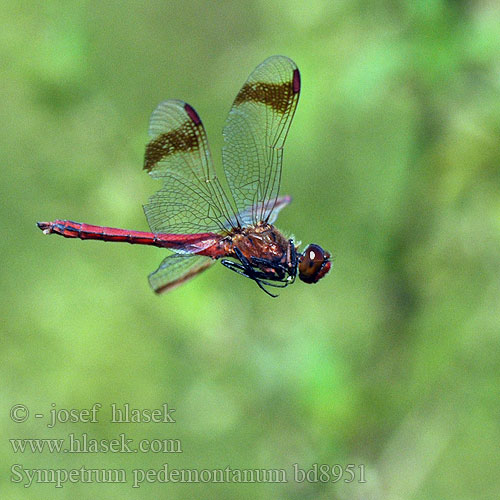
<point x="246" y="269"/>
<point x="280" y="269"/>
<point x="243" y="270"/>
<point x="276" y="284"/>
<point x="293" y="259"/>
<point x="261" y="286"/>
<point x="290" y="267"/>
<point x="245" y="263"/>
<point x="234" y="266"/>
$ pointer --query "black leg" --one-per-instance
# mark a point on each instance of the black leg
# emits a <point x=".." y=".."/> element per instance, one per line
<point x="267" y="291"/>
<point x="275" y="284"/>
<point x="250" y="269"/>
<point x="279" y="268"/>
<point x="234" y="266"/>
<point x="293" y="260"/>
<point x="251" y="272"/>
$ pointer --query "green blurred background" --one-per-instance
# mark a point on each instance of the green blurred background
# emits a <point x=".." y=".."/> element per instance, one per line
<point x="391" y="362"/>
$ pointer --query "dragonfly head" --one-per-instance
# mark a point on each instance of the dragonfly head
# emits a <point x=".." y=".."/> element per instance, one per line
<point x="314" y="263"/>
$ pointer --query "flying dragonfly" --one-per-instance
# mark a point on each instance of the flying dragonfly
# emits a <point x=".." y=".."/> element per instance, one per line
<point x="194" y="217"/>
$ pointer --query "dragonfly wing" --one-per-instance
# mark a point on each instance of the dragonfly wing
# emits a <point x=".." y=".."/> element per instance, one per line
<point x="192" y="199"/>
<point x="269" y="210"/>
<point x="254" y="135"/>
<point x="176" y="269"/>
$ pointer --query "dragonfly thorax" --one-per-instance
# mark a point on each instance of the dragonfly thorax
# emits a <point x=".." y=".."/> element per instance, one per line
<point x="263" y="254"/>
<point x="261" y="241"/>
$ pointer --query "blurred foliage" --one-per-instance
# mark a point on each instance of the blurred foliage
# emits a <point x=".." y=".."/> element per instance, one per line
<point x="393" y="162"/>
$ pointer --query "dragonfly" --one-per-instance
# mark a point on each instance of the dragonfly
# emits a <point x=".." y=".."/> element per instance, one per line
<point x="193" y="215"/>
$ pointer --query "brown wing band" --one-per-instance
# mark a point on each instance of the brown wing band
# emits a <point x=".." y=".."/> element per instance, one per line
<point x="183" y="139"/>
<point x="278" y="96"/>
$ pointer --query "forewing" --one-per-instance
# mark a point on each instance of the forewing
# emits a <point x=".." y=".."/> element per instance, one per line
<point x="254" y="135"/>
<point x="191" y="199"/>
<point x="176" y="269"/>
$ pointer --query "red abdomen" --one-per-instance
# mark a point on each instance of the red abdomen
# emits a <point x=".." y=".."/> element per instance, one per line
<point x="192" y="243"/>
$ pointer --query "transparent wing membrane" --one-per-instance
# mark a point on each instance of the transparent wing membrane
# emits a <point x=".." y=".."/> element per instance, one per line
<point x="192" y="199"/>
<point x="177" y="269"/>
<point x="254" y="136"/>
<point x="269" y="209"/>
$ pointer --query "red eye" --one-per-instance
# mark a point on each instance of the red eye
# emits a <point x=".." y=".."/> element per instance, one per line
<point x="314" y="263"/>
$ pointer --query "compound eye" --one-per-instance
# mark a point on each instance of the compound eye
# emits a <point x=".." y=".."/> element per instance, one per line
<point x="314" y="263"/>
